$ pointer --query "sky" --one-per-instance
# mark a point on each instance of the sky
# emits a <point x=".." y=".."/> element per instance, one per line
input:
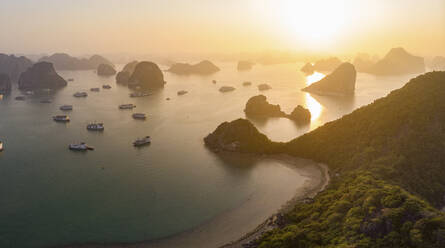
<point x="221" y="26"/>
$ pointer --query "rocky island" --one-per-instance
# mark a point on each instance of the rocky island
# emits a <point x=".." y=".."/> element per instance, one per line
<point x="147" y="75"/>
<point x="105" y="70"/>
<point x="41" y="76"/>
<point x="5" y="84"/>
<point x="244" y="65"/>
<point x="226" y="89"/>
<point x="124" y="76"/>
<point x="308" y="69"/>
<point x="340" y="82"/>
<point x="398" y="61"/>
<point x="203" y="68"/>
<point x="13" y="66"/>
<point x="63" y="61"/>
<point x="263" y="87"/>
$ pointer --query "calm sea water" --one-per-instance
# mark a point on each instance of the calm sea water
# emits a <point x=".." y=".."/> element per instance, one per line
<point x="117" y="193"/>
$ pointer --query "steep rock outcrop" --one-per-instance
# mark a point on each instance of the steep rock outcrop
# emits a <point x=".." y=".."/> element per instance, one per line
<point x="124" y="76"/>
<point x="41" y="75"/>
<point x="259" y="106"/>
<point x="398" y="61"/>
<point x="105" y="70"/>
<point x="308" y="69"/>
<point x="147" y="75"/>
<point x="13" y="66"/>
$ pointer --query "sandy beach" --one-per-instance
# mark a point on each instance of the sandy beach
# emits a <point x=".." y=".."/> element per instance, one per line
<point x="247" y="221"/>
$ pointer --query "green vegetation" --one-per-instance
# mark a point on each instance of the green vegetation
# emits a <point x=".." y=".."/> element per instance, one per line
<point x="388" y="167"/>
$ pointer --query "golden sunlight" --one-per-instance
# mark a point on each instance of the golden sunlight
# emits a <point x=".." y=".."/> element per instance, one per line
<point x="316" y="76"/>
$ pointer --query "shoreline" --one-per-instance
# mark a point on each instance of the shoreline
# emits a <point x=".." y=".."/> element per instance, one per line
<point x="316" y="178"/>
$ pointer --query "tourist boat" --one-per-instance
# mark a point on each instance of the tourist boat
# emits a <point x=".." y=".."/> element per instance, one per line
<point x="182" y="92"/>
<point x="95" y="89"/>
<point x="106" y="86"/>
<point x="46" y="101"/>
<point x="143" y="141"/>
<point x="66" y="107"/>
<point x="80" y="147"/>
<point x="20" y="98"/>
<point x="127" y="106"/>
<point x="80" y="94"/>
<point x="1" y="146"/>
<point x="70" y="79"/>
<point x="139" y="94"/>
<point x="29" y="93"/>
<point x="139" y="116"/>
<point x="61" y="118"/>
<point x="95" y="127"/>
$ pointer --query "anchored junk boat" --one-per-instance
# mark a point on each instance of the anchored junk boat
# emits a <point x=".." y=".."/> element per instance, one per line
<point x="96" y="127"/>
<point x="80" y="147"/>
<point x="127" y="106"/>
<point x="61" y="118"/>
<point x="143" y="141"/>
<point x="139" y="116"/>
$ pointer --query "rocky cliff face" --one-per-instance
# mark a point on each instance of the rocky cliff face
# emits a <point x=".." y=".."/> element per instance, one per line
<point x="41" y="76"/>
<point x="105" y="70"/>
<point x="260" y="107"/>
<point x="5" y="84"/>
<point x="147" y="75"/>
<point x="340" y="82"/>
<point x="13" y="66"/>
<point x="204" y="67"/>
<point x="124" y="76"/>
<point x="397" y="62"/>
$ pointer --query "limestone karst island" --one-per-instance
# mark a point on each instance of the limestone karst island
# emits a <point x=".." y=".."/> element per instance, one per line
<point x="222" y="124"/>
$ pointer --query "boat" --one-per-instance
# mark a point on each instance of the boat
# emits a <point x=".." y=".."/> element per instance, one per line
<point x="95" y="127"/>
<point x="80" y="94"/>
<point x="143" y="141"/>
<point x="66" y="107"/>
<point x="139" y="116"/>
<point x="182" y="92"/>
<point x="127" y="106"/>
<point x="139" y="94"/>
<point x="46" y="101"/>
<point x="80" y="147"/>
<point x="61" y="118"/>
<point x="20" y="98"/>
<point x="95" y="89"/>
<point x="1" y="146"/>
<point x="70" y="79"/>
<point x="29" y="93"/>
<point x="106" y="86"/>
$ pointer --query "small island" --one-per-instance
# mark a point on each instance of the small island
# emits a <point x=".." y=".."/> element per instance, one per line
<point x="226" y="89"/>
<point x="41" y="76"/>
<point x="202" y="68"/>
<point x="105" y="70"/>
<point x="147" y="75"/>
<point x="308" y="69"/>
<point x="340" y="82"/>
<point x="397" y="62"/>
<point x="124" y="76"/>
<point x="263" y="87"/>
<point x="13" y="66"/>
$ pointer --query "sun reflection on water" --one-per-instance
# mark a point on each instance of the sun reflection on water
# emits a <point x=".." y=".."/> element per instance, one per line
<point x="316" y="76"/>
<point x="314" y="107"/>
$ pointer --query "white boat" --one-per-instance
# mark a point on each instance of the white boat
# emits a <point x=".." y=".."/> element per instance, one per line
<point x="80" y="94"/>
<point x="61" y="118"/>
<point x="96" y="127"/>
<point x="143" y="141"/>
<point x="139" y="116"/>
<point x="139" y="94"/>
<point x="95" y="89"/>
<point x="127" y="106"/>
<point x="66" y="107"/>
<point x="80" y="147"/>
<point x="1" y="146"/>
<point x="106" y="86"/>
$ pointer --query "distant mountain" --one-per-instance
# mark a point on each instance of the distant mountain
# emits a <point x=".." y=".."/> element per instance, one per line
<point x="204" y="68"/>
<point x="387" y="165"/>
<point x="328" y="64"/>
<point x="13" y="66"/>
<point x="398" y="61"/>
<point x="63" y="61"/>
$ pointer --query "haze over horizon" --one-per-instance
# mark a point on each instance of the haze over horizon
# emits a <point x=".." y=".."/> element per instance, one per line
<point x="216" y="27"/>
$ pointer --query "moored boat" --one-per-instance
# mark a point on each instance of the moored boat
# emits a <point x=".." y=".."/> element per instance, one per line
<point x="142" y="141"/>
<point x="139" y="116"/>
<point x="106" y="86"/>
<point x="61" y="118"/>
<point x="46" y="101"/>
<point x="66" y="107"/>
<point x="95" y="89"/>
<point x="80" y="94"/>
<point x="95" y="127"/>
<point x="139" y="94"/>
<point x="127" y="106"/>
<point x="80" y="147"/>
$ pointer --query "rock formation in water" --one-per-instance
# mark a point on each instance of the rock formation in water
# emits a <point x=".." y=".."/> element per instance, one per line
<point x="238" y="136"/>
<point x="398" y="62"/>
<point x="340" y="82"/>
<point x="247" y="83"/>
<point x="263" y="87"/>
<point x="438" y="63"/>
<point x="147" y="75"/>
<point x="300" y="115"/>
<point x="363" y="63"/>
<point x="105" y="70"/>
<point x="308" y="69"/>
<point x="226" y="89"/>
<point x="13" y="66"/>
<point x="204" y="68"/>
<point x="124" y="76"/>
<point x="244" y="65"/>
<point x="325" y="65"/>
<point x="41" y="75"/>
<point x="5" y="84"/>
<point x="63" y="61"/>
<point x="260" y="107"/>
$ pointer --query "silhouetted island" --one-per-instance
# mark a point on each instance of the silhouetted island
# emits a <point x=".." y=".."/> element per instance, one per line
<point x="41" y="75"/>
<point x="244" y="65"/>
<point x="258" y="106"/>
<point x="147" y="75"/>
<point x="226" y="89"/>
<point x="363" y="63"/>
<point x="13" y="66"/>
<point x="340" y="82"/>
<point x="204" y="68"/>
<point x="63" y="61"/>
<point x="124" y="76"/>
<point x="398" y="61"/>
<point x="438" y="63"/>
<point x="308" y="69"/>
<point x="5" y="84"/>
<point x="105" y="70"/>
<point x="327" y="65"/>
<point x="263" y="87"/>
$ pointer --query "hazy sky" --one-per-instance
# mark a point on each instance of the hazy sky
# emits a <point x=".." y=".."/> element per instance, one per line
<point x="221" y="26"/>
